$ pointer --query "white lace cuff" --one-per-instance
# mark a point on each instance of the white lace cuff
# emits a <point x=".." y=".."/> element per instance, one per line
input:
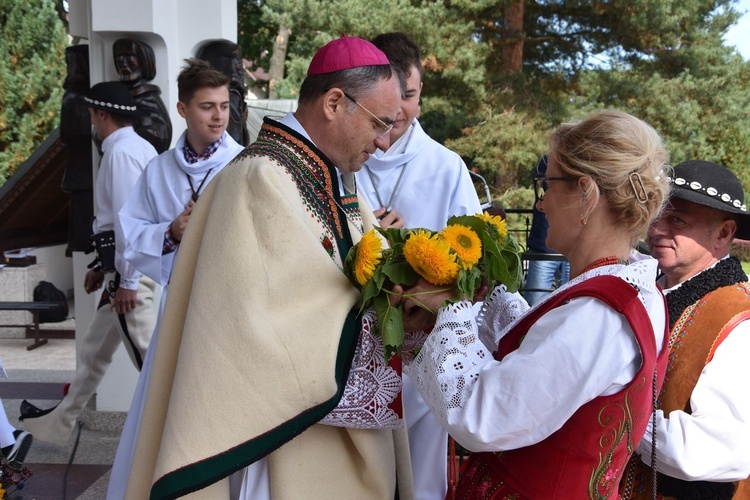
<point x="372" y="386"/>
<point x="499" y="311"/>
<point x="448" y="364"/>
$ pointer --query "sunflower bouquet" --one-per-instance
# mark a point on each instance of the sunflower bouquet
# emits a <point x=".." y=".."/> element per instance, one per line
<point x="471" y="249"/>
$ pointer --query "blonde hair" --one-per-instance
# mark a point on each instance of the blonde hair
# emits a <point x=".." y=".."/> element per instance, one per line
<point x="626" y="160"/>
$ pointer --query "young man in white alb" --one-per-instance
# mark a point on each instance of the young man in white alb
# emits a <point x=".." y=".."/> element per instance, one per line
<point x="155" y="215"/>
<point x="417" y="182"/>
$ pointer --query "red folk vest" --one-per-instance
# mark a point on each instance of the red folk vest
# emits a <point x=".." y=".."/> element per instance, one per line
<point x="587" y="456"/>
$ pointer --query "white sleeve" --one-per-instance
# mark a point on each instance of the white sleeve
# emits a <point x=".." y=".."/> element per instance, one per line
<point x="464" y="200"/>
<point x="144" y="233"/>
<point x="574" y="353"/>
<point x="713" y="442"/>
<point x="498" y="312"/>
<point x="125" y="173"/>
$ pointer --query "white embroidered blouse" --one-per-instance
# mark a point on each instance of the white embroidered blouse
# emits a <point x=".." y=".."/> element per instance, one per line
<point x="573" y="354"/>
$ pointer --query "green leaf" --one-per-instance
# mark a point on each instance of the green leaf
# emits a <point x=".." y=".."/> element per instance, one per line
<point x="369" y="292"/>
<point x="390" y="324"/>
<point x="473" y="222"/>
<point x="351" y="258"/>
<point x="400" y="272"/>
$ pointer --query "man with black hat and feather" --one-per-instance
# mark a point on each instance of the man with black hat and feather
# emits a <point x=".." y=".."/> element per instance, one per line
<point x="127" y="311"/>
<point x="702" y="421"/>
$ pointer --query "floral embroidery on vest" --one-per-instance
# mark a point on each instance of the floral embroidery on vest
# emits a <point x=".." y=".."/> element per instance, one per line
<point x="617" y="420"/>
<point x="326" y="241"/>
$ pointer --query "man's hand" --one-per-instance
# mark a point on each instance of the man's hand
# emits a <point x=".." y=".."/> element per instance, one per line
<point x="178" y="225"/>
<point x="388" y="218"/>
<point x="93" y="281"/>
<point x="420" y="310"/>
<point x="124" y="300"/>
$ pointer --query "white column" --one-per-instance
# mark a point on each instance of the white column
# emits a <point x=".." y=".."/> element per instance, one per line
<point x="176" y="30"/>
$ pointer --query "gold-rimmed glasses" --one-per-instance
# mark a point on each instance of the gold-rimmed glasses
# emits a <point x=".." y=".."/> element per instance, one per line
<point x="385" y="126"/>
<point x="541" y="184"/>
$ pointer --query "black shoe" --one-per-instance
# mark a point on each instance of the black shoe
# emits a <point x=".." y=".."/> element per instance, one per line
<point x="18" y="450"/>
<point x="28" y="410"/>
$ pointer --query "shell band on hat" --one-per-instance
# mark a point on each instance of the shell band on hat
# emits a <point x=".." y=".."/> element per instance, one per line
<point x="109" y="104"/>
<point x="710" y="191"/>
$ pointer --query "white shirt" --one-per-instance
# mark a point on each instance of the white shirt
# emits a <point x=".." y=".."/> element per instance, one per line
<point x="425" y="183"/>
<point x="571" y="355"/>
<point x="125" y="155"/>
<point x="422" y="180"/>
<point x="713" y="442"/>
<point x="159" y="196"/>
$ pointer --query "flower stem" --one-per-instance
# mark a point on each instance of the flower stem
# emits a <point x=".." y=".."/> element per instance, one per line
<point x="416" y="294"/>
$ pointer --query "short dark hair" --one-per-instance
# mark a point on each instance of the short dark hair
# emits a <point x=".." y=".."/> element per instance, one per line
<point x="198" y="74"/>
<point x="402" y="51"/>
<point x="121" y="120"/>
<point x="357" y="82"/>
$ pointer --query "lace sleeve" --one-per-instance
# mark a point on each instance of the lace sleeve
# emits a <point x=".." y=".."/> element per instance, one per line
<point x="447" y="366"/>
<point x="499" y="311"/>
<point x="372" y="388"/>
<point x="413" y="342"/>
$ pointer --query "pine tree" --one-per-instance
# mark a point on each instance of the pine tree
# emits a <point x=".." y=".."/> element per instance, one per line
<point x="32" y="65"/>
<point x="661" y="60"/>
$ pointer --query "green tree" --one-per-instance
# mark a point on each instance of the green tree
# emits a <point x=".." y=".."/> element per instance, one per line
<point x="254" y="36"/>
<point x="454" y="61"/>
<point x="32" y="65"/>
<point x="694" y="95"/>
<point x="501" y="74"/>
<point x="661" y="60"/>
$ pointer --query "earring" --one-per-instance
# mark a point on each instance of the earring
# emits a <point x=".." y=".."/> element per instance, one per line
<point x="584" y="220"/>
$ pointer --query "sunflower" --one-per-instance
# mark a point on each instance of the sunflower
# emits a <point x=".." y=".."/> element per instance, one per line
<point x="465" y="243"/>
<point x="431" y="257"/>
<point x="369" y="251"/>
<point x="498" y="222"/>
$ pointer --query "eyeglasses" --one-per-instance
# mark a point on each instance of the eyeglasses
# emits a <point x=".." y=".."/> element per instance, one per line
<point x="541" y="184"/>
<point x="386" y="127"/>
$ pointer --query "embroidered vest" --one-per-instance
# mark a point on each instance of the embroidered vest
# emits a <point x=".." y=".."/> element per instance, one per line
<point x="696" y="335"/>
<point x="587" y="456"/>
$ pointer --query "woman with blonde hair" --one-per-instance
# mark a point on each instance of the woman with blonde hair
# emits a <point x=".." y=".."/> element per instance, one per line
<point x="553" y="399"/>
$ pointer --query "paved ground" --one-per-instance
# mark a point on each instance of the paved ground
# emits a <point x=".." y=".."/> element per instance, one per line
<point x="39" y="376"/>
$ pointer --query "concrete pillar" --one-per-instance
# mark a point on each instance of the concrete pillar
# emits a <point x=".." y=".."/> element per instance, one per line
<point x="176" y="30"/>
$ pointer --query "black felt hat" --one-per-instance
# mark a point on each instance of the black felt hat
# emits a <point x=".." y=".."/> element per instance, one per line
<point x="113" y="97"/>
<point x="712" y="185"/>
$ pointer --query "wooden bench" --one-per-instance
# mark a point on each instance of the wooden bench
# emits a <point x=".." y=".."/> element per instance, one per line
<point x="35" y="308"/>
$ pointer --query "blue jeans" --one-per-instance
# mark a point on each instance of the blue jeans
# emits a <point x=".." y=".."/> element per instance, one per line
<point x="540" y="278"/>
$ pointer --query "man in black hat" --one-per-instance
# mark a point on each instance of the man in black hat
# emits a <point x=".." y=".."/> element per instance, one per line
<point x="127" y="311"/>
<point x="703" y="417"/>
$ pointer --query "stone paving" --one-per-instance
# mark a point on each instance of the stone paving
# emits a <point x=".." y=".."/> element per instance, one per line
<point x="39" y="376"/>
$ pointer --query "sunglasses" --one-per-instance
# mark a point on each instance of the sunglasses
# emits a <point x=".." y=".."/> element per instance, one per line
<point x="541" y="184"/>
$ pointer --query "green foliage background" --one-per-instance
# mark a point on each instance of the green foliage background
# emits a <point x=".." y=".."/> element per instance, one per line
<point x="661" y="60"/>
<point x="32" y="65"/>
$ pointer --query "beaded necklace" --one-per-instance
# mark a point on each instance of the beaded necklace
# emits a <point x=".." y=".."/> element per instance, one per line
<point x="605" y="261"/>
